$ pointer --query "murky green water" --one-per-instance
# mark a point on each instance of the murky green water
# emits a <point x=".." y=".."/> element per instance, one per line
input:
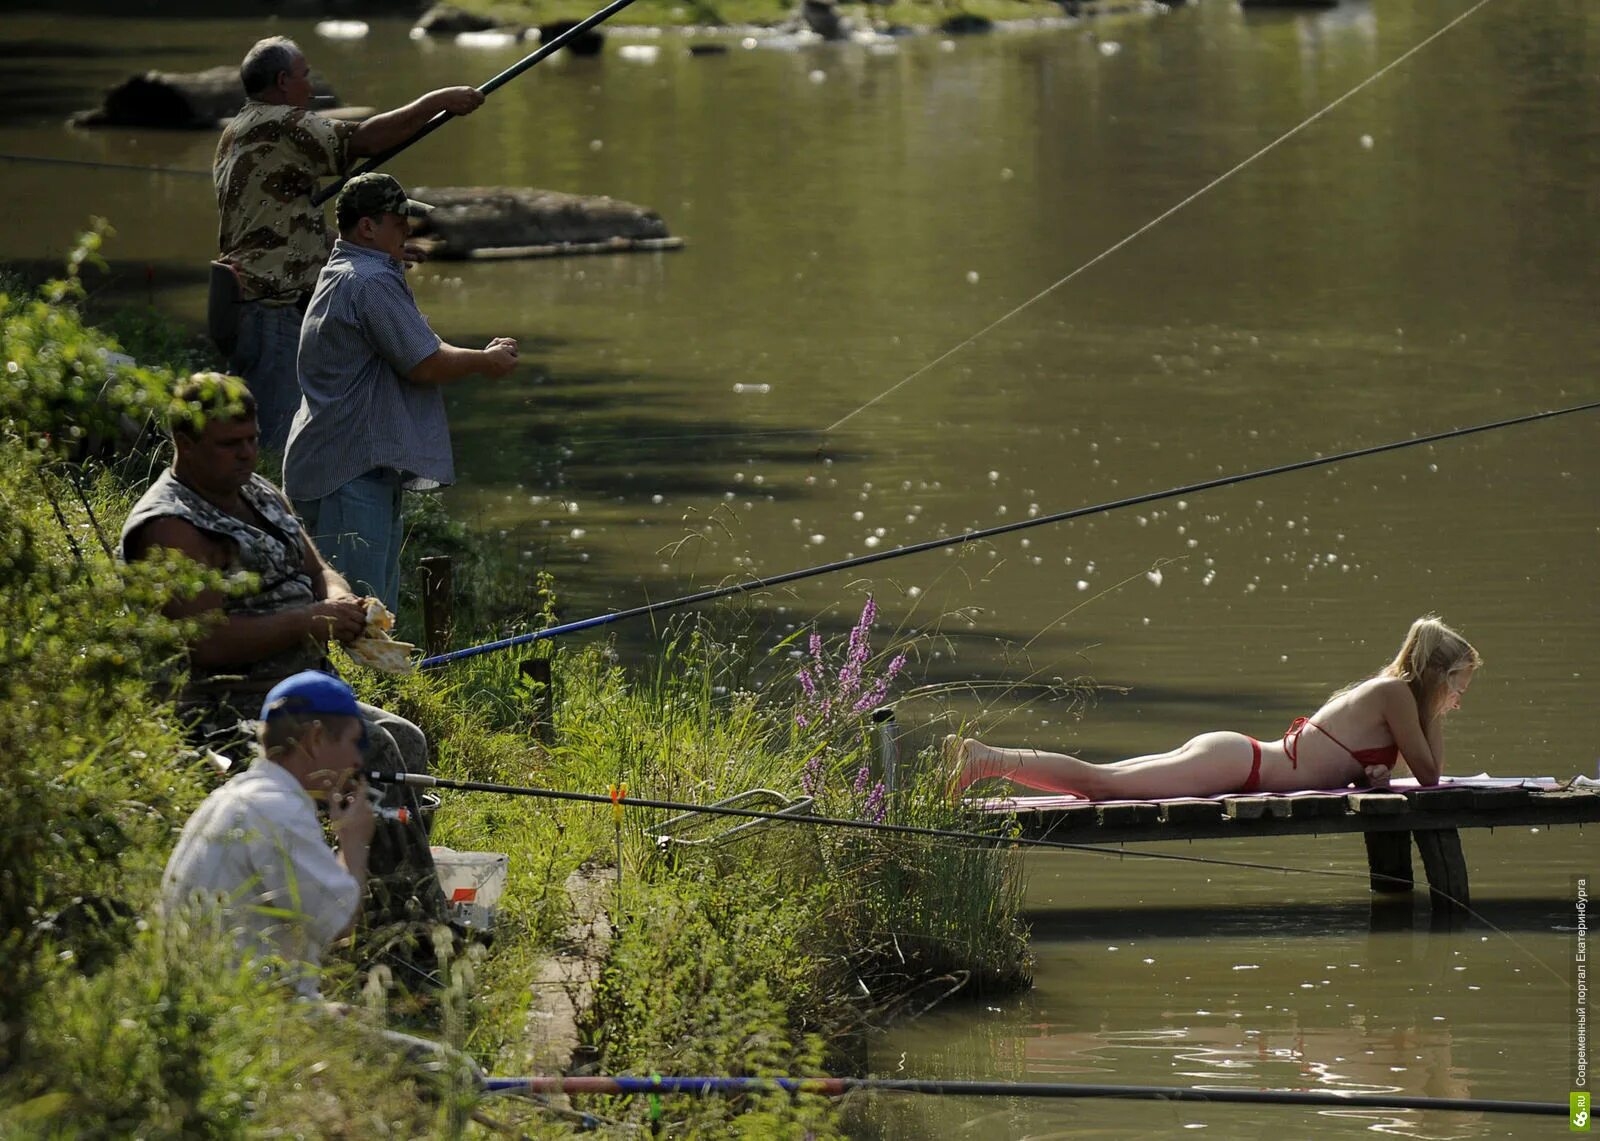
<point x="1423" y="256"/>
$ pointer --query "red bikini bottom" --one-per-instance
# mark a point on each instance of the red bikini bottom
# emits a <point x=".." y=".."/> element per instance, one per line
<point x="1254" y="782"/>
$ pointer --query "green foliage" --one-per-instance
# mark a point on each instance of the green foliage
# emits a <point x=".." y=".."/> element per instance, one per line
<point x="58" y="389"/>
<point x="748" y="957"/>
<point x="703" y="979"/>
<point x="172" y="1042"/>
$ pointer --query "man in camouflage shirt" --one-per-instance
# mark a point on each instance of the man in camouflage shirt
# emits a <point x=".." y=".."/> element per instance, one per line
<point x="267" y="165"/>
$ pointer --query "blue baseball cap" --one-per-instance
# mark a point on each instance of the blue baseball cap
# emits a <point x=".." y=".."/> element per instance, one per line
<point x="311" y="692"/>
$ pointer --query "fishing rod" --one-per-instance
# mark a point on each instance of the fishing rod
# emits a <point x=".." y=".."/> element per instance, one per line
<point x="984" y="533"/>
<point x="837" y="1087"/>
<point x="619" y="800"/>
<point x="544" y="51"/>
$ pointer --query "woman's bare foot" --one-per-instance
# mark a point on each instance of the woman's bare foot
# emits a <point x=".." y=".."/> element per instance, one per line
<point x="964" y="766"/>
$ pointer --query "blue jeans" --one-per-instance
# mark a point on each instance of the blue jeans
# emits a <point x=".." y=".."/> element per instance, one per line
<point x="357" y="529"/>
<point x="269" y="344"/>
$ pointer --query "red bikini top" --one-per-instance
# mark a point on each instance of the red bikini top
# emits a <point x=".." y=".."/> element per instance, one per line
<point x="1377" y="755"/>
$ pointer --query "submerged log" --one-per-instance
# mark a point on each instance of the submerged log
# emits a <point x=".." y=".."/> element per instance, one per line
<point x="514" y="221"/>
<point x="192" y="100"/>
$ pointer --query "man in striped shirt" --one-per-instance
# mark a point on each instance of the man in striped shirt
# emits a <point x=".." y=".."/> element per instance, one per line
<point x="371" y="421"/>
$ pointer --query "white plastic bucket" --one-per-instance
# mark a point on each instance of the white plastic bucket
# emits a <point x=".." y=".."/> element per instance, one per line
<point x="472" y="883"/>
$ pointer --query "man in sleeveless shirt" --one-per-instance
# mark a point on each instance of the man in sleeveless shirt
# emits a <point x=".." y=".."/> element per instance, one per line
<point x="211" y="506"/>
<point x="267" y="165"/>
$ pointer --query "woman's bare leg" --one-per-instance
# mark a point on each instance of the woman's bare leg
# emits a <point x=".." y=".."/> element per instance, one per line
<point x="1209" y="764"/>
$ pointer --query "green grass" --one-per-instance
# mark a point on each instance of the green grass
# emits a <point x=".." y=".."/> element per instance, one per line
<point x="766" y="956"/>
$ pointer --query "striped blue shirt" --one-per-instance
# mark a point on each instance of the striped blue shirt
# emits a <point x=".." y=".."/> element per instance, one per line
<point x="361" y="335"/>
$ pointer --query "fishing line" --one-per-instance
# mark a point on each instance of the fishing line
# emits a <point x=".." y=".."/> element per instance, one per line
<point x="1156" y="221"/>
<point x="619" y="801"/>
<point x="105" y="165"/>
<point x="984" y="533"/>
<point x="837" y="1087"/>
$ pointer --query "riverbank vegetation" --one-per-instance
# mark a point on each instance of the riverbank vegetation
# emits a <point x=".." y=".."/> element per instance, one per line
<point x="770" y="954"/>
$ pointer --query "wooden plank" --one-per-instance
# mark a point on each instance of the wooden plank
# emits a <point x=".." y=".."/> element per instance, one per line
<point x="1191" y="811"/>
<point x="1389" y="861"/>
<point x="1505" y="799"/>
<point x="1315" y="807"/>
<point x="1245" y="807"/>
<point x="1079" y="818"/>
<point x="1127" y="815"/>
<point x="1541" y="809"/>
<point x="1446" y="866"/>
<point x="1378" y="804"/>
<point x="1441" y="799"/>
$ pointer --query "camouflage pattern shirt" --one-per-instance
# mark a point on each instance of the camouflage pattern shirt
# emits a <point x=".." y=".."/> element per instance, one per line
<point x="267" y="165"/>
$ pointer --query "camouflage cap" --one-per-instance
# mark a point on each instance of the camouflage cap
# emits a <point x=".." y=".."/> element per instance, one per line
<point x="372" y="196"/>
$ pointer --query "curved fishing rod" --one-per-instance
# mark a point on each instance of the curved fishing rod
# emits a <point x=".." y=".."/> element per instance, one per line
<point x="542" y="52"/>
<point x="618" y="800"/>
<point x="837" y="1087"/>
<point x="984" y="533"/>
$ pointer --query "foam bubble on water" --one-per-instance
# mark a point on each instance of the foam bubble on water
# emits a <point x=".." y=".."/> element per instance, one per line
<point x="1366" y="142"/>
<point x="972" y="277"/>
<point x="914" y="592"/>
<point x="818" y="76"/>
<point x="1155" y="576"/>
<point x="1109" y="48"/>
<point x="1083" y="584"/>
<point x="658" y="498"/>
<point x="872" y="541"/>
<point x="342" y="29"/>
<point x="596" y="144"/>
<point x="492" y="38"/>
<point x="639" y="53"/>
<point x="994" y="476"/>
<point x="748" y="43"/>
<point x="818" y="540"/>
<point x="752" y="389"/>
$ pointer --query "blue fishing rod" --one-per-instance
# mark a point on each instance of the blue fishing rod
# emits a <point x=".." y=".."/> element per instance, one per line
<point x="544" y="51"/>
<point x="986" y="533"/>
<point x="710" y="1086"/>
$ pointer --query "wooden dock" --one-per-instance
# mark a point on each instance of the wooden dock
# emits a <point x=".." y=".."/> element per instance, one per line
<point x="1391" y="822"/>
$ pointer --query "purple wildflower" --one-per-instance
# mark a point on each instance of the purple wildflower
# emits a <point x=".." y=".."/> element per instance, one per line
<point x="880" y="688"/>
<point x="811" y="776"/>
<point x="863" y="775"/>
<point x="807" y="683"/>
<point x="876" y="807"/>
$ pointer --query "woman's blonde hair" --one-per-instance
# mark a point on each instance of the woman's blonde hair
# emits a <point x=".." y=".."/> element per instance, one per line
<point x="1430" y="654"/>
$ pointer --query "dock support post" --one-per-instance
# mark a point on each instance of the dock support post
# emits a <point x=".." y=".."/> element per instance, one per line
<point x="1389" y="861"/>
<point x="1446" y="867"/>
<point x="438" y="603"/>
<point x="888" y="745"/>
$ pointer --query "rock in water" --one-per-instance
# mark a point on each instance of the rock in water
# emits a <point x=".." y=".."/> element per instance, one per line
<point x="589" y="43"/>
<point x="511" y="221"/>
<point x="178" y="99"/>
<point x="446" y="20"/>
<point x="823" y="18"/>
